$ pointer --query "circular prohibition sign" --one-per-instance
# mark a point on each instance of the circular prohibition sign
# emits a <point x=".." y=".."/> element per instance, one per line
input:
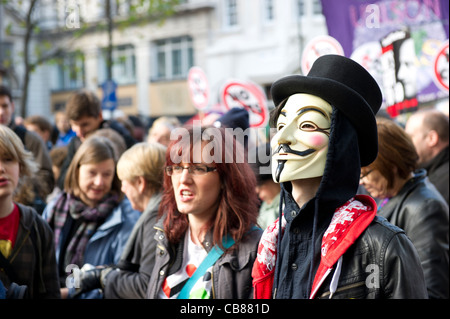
<point x="198" y="87"/>
<point x="441" y="68"/>
<point x="248" y="96"/>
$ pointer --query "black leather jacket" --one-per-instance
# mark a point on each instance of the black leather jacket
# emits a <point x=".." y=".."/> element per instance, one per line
<point x="382" y="264"/>
<point x="382" y="251"/>
<point x="421" y="211"/>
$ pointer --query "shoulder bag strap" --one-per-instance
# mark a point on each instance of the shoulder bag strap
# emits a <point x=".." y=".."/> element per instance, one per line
<point x="209" y="260"/>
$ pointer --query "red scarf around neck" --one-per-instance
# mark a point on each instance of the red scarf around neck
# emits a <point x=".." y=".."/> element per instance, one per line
<point x="347" y="224"/>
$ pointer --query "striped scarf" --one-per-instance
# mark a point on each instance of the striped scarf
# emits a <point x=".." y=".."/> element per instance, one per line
<point x="91" y="218"/>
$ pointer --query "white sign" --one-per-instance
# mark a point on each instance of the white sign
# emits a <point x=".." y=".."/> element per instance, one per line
<point x="198" y="87"/>
<point x="249" y="96"/>
<point x="317" y="47"/>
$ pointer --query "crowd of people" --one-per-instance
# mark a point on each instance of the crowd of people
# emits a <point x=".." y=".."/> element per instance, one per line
<point x="93" y="208"/>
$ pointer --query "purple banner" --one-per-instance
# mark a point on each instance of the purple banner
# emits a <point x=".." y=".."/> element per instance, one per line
<point x="360" y="26"/>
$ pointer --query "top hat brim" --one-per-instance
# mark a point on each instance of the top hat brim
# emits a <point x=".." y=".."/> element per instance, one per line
<point x="344" y="98"/>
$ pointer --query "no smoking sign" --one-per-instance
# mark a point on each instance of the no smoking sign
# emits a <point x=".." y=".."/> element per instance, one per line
<point x="441" y="68"/>
<point x="248" y="96"/>
<point x="198" y="87"/>
<point x="317" y="47"/>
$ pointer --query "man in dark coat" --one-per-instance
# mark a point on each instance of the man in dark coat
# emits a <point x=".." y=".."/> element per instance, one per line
<point x="429" y="132"/>
<point x="84" y="112"/>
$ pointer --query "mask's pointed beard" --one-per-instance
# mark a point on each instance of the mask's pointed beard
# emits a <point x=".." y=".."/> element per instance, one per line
<point x="279" y="169"/>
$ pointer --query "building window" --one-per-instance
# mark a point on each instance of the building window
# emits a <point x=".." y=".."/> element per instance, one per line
<point x="317" y="7"/>
<point x="268" y="10"/>
<point x="70" y="72"/>
<point x="308" y="7"/>
<point x="173" y="58"/>
<point x="231" y="13"/>
<point x="123" y="68"/>
<point x="301" y="8"/>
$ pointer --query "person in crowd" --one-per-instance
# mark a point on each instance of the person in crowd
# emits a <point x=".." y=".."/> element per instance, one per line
<point x="91" y="218"/>
<point x="139" y="131"/>
<point x="140" y="169"/>
<point x="411" y="202"/>
<point x="429" y="132"/>
<point x="43" y="181"/>
<point x="134" y="125"/>
<point x="42" y="127"/>
<point x="329" y="243"/>
<point x="160" y="130"/>
<point x="84" y="112"/>
<point x="27" y="253"/>
<point x="267" y="190"/>
<point x="118" y="141"/>
<point x="125" y="121"/>
<point x="65" y="132"/>
<point x="206" y="235"/>
<point x="237" y="119"/>
<point x="57" y="154"/>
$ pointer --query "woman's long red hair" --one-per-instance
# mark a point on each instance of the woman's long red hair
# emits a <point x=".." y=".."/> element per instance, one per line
<point x="238" y="203"/>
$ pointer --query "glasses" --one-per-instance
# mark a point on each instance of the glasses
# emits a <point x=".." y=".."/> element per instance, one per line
<point x="192" y="169"/>
<point x="366" y="174"/>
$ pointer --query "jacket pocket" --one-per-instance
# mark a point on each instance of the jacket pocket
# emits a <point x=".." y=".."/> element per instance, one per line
<point x="356" y="290"/>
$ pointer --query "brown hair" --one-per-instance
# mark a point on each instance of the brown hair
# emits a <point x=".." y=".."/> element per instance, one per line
<point x="83" y="103"/>
<point x="238" y="202"/>
<point x="58" y="155"/>
<point x="94" y="149"/>
<point x="117" y="140"/>
<point x="395" y="149"/>
<point x="11" y="147"/>
<point x="39" y="121"/>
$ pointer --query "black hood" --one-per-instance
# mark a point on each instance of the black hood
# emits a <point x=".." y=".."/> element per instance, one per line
<point x="340" y="179"/>
<point x="339" y="183"/>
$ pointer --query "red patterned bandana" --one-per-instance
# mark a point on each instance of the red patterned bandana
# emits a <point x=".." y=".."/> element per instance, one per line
<point x="347" y="224"/>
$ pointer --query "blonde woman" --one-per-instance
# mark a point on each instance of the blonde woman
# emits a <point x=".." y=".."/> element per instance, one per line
<point x="140" y="169"/>
<point x="27" y="253"/>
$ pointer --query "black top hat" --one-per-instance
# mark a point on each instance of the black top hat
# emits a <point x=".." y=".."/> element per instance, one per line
<point x="347" y="86"/>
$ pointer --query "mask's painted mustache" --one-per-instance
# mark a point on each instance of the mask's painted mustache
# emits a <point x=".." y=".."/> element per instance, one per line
<point x="287" y="149"/>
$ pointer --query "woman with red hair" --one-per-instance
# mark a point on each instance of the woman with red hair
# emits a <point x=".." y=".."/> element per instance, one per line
<point x="206" y="235"/>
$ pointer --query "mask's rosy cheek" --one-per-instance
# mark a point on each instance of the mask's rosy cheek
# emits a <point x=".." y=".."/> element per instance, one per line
<point x="317" y="140"/>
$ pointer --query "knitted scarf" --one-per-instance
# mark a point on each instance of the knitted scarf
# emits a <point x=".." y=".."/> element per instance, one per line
<point x="91" y="218"/>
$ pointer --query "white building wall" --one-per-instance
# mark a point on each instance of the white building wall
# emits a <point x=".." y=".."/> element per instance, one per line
<point x="38" y="93"/>
<point x="143" y="75"/>
<point x="255" y="50"/>
<point x="258" y="50"/>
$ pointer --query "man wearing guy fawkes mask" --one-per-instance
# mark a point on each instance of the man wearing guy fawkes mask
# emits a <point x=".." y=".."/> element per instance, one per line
<point x="332" y="244"/>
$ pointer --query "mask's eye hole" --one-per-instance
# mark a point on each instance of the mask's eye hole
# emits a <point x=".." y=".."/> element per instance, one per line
<point x="308" y="126"/>
<point x="280" y="127"/>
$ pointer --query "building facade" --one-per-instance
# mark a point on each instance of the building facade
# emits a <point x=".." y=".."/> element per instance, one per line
<point x="256" y="40"/>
